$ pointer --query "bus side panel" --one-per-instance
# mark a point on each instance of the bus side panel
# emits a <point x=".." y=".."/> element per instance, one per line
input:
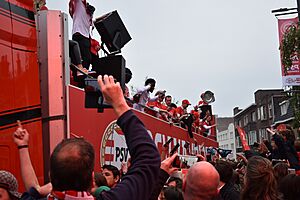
<point x="6" y="69"/>
<point x="19" y="86"/>
<point x="27" y="4"/>
<point x="6" y="79"/>
<point x="26" y="81"/>
<point x="9" y="154"/>
<point x="24" y="29"/>
<point x="5" y="25"/>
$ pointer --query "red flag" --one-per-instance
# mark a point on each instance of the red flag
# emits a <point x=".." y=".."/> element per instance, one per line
<point x="242" y="134"/>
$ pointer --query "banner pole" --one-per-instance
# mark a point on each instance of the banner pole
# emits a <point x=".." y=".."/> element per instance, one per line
<point x="298" y="9"/>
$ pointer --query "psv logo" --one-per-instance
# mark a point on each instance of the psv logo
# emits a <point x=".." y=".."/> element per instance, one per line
<point x="113" y="149"/>
<point x="286" y="26"/>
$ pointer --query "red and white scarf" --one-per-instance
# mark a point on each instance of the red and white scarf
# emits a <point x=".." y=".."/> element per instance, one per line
<point x="70" y="195"/>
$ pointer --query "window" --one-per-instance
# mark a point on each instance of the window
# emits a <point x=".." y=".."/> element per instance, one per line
<point x="270" y="110"/>
<point x="263" y="113"/>
<point x="284" y="107"/>
<point x="240" y="123"/>
<point x="263" y="134"/>
<point x="253" y="116"/>
<point x="252" y="137"/>
<point x="245" y="120"/>
<point x="231" y="135"/>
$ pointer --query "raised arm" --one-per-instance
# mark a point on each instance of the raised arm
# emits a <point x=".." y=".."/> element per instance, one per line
<point x="208" y="127"/>
<point x="166" y="169"/>
<point x="143" y="89"/>
<point x="21" y="138"/>
<point x="143" y="173"/>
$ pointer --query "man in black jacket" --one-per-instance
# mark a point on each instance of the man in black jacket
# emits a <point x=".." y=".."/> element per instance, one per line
<point x="227" y="190"/>
<point x="72" y="162"/>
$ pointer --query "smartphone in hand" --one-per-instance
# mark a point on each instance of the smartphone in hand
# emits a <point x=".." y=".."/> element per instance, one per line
<point x="176" y="163"/>
<point x="168" y="142"/>
<point x="174" y="149"/>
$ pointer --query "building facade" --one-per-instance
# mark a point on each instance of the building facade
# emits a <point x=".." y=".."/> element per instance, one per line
<point x="271" y="107"/>
<point x="226" y="135"/>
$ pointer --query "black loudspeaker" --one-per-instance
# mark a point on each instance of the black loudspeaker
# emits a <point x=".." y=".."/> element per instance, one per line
<point x="112" y="30"/>
<point x="111" y="65"/>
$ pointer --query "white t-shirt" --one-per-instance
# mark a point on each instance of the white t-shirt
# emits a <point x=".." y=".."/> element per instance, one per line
<point x="144" y="98"/>
<point x="81" y="20"/>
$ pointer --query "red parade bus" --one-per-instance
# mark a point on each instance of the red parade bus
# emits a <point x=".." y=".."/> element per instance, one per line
<point x="35" y="89"/>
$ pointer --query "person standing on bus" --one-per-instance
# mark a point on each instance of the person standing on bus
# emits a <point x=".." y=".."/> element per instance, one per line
<point x="142" y="97"/>
<point x="82" y="14"/>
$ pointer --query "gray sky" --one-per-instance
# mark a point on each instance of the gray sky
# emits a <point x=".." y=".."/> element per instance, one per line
<point x="229" y="47"/>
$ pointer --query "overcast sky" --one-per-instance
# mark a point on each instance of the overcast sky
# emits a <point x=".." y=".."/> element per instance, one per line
<point x="229" y="47"/>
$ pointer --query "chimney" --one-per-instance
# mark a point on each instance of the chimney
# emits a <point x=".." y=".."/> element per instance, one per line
<point x="236" y="110"/>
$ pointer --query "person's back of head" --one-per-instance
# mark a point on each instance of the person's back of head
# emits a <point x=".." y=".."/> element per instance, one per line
<point x="172" y="193"/>
<point x="128" y="75"/>
<point x="175" y="181"/>
<point x="173" y="105"/>
<point x="201" y="182"/>
<point x="280" y="171"/>
<point x="260" y="182"/>
<point x="100" y="180"/>
<point x="150" y="81"/>
<point x="290" y="187"/>
<point x="72" y="165"/>
<point x="297" y="145"/>
<point x="225" y="170"/>
<point x="288" y="135"/>
<point x="8" y="186"/>
<point x="100" y="184"/>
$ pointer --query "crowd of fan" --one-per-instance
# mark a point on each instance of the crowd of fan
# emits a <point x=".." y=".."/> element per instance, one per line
<point x="84" y="55"/>
<point x="162" y="107"/>
<point x="72" y="175"/>
<point x="145" y="176"/>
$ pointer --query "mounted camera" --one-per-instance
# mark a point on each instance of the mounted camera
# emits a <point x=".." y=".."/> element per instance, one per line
<point x="114" y="66"/>
<point x="93" y="95"/>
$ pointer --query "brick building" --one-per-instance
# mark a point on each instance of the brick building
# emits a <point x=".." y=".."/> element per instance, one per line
<point x="271" y="107"/>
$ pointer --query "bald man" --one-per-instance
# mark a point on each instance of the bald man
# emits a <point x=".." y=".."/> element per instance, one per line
<point x="201" y="182"/>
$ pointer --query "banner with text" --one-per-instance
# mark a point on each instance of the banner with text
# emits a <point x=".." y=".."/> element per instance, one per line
<point x="290" y="77"/>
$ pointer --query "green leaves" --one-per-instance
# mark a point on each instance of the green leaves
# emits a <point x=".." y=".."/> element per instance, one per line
<point x="290" y="46"/>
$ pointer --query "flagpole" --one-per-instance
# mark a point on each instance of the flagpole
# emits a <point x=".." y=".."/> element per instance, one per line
<point x="298" y="9"/>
